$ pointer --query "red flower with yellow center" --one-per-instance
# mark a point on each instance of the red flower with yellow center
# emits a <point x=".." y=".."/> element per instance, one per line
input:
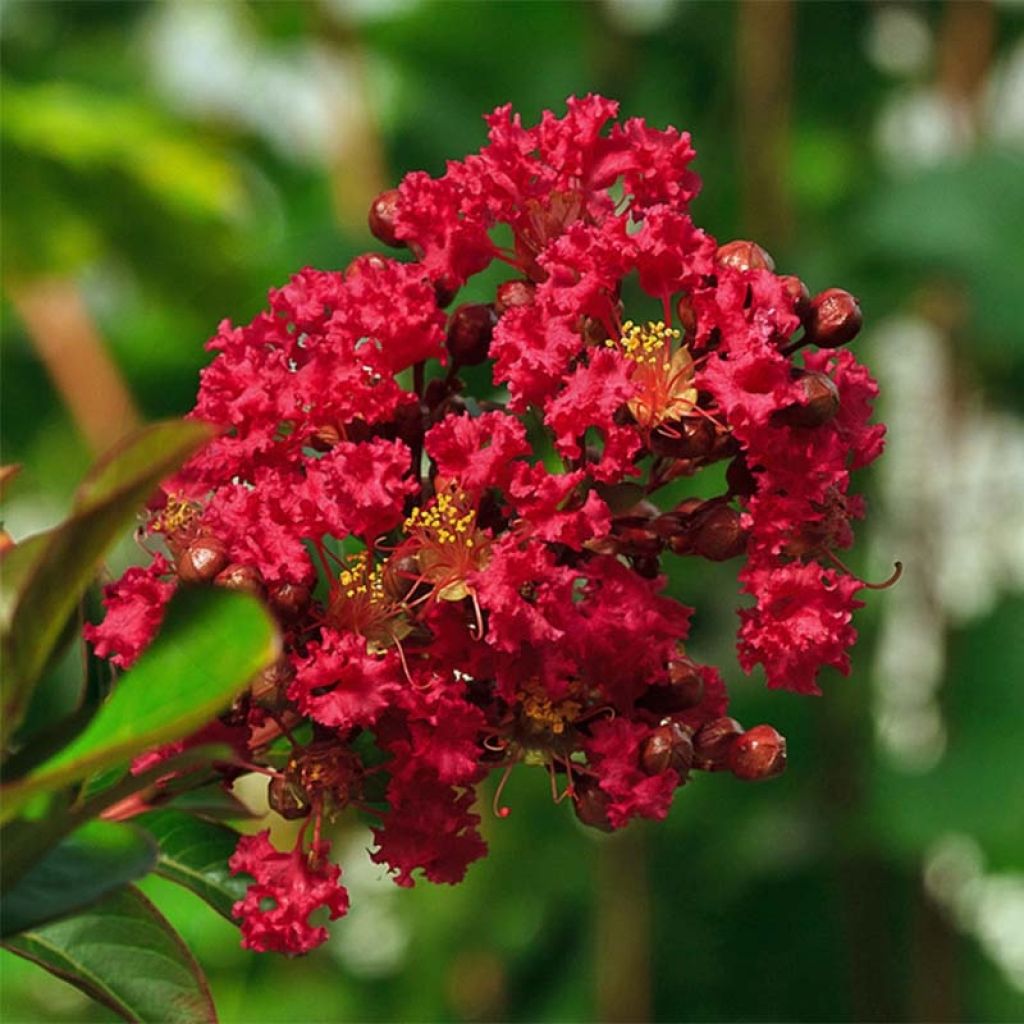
<point x="662" y="372"/>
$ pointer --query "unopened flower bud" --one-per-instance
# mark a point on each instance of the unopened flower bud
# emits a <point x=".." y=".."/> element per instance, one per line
<point x="760" y="753"/>
<point x="720" y="535"/>
<point x="591" y="804"/>
<point x="240" y="577"/>
<point x="798" y="292"/>
<point x="833" y="319"/>
<point x="512" y="294"/>
<point x="287" y="798"/>
<point x="201" y="560"/>
<point x="820" y="405"/>
<point x="683" y="690"/>
<point x="646" y="566"/>
<point x="744" y="255"/>
<point x="690" y="438"/>
<point x="290" y="600"/>
<point x="668" y="746"/>
<point x="713" y="742"/>
<point x="469" y="333"/>
<point x="687" y="316"/>
<point x="445" y="292"/>
<point x="637" y="540"/>
<point x="382" y="218"/>
<point x="740" y="479"/>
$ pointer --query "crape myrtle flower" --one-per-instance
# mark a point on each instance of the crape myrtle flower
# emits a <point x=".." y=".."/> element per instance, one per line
<point x="467" y="583"/>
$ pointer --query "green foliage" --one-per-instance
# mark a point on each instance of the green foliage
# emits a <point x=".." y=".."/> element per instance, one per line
<point x="124" y="954"/>
<point x="182" y="680"/>
<point x="45" y="577"/>
<point x="194" y="853"/>
<point x="94" y="860"/>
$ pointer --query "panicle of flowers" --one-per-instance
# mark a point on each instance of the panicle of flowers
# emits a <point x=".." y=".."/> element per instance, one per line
<point x="466" y="584"/>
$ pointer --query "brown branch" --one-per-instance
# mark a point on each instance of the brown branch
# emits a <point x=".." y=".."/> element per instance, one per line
<point x="62" y="331"/>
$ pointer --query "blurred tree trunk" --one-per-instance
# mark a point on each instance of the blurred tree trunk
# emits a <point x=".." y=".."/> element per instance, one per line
<point x="62" y="330"/>
<point x="622" y="958"/>
<point x="764" y="85"/>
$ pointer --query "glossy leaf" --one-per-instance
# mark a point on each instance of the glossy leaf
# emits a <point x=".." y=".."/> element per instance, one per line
<point x="98" y="858"/>
<point x="123" y="953"/>
<point x="45" y="576"/>
<point x="211" y="644"/>
<point x="194" y="853"/>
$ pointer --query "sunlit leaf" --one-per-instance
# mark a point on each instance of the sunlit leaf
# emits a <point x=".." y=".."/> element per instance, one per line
<point x="44" y="576"/>
<point x="211" y="644"/>
<point x="194" y="853"/>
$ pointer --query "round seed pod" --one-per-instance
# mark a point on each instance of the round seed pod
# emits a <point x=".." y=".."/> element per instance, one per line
<point x="668" y="746"/>
<point x="240" y="577"/>
<point x="469" y="333"/>
<point x="382" y="218"/>
<point x="834" y="319"/>
<point x="202" y="560"/>
<point x="590" y="803"/>
<point x="720" y="535"/>
<point x="822" y="403"/>
<point x="713" y="742"/>
<point x="760" y="753"/>
<point x="744" y="255"/>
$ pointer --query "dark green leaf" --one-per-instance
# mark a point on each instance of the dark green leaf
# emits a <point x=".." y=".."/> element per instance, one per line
<point x="211" y="644"/>
<point x="194" y="853"/>
<point x="88" y="864"/>
<point x="123" y="953"/>
<point x="44" y="577"/>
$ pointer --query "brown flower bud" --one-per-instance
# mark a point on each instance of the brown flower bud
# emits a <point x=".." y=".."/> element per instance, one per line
<point x="798" y="292"/>
<point x="833" y="319"/>
<point x="740" y="478"/>
<point x="201" y="560"/>
<point x="512" y="294"/>
<point x="469" y="333"/>
<point x="445" y="292"/>
<point x="240" y="577"/>
<point x="591" y="804"/>
<point x="637" y="540"/>
<point x="690" y="438"/>
<point x="683" y="690"/>
<point x="720" y="536"/>
<point x="821" y="403"/>
<point x="713" y="742"/>
<point x="382" y="218"/>
<point x="668" y="746"/>
<point x="760" y="753"/>
<point x="646" y="566"/>
<point x="290" y="600"/>
<point x="687" y="316"/>
<point x="287" y="798"/>
<point x="744" y="255"/>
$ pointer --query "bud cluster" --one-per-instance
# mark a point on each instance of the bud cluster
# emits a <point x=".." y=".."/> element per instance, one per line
<point x="469" y="583"/>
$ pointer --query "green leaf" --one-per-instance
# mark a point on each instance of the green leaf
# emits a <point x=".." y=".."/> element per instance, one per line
<point x="123" y="953"/>
<point x="45" y="576"/>
<point x="211" y="644"/>
<point x="194" y="853"/>
<point x="88" y="864"/>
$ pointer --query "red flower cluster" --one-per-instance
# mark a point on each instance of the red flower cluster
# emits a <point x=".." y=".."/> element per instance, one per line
<point x="467" y="584"/>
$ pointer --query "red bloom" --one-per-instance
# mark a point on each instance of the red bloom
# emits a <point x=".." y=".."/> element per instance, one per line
<point x="287" y="888"/>
<point x="135" y="608"/>
<point x="469" y="583"/>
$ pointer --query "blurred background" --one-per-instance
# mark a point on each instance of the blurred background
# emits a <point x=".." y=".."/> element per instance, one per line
<point x="164" y="164"/>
